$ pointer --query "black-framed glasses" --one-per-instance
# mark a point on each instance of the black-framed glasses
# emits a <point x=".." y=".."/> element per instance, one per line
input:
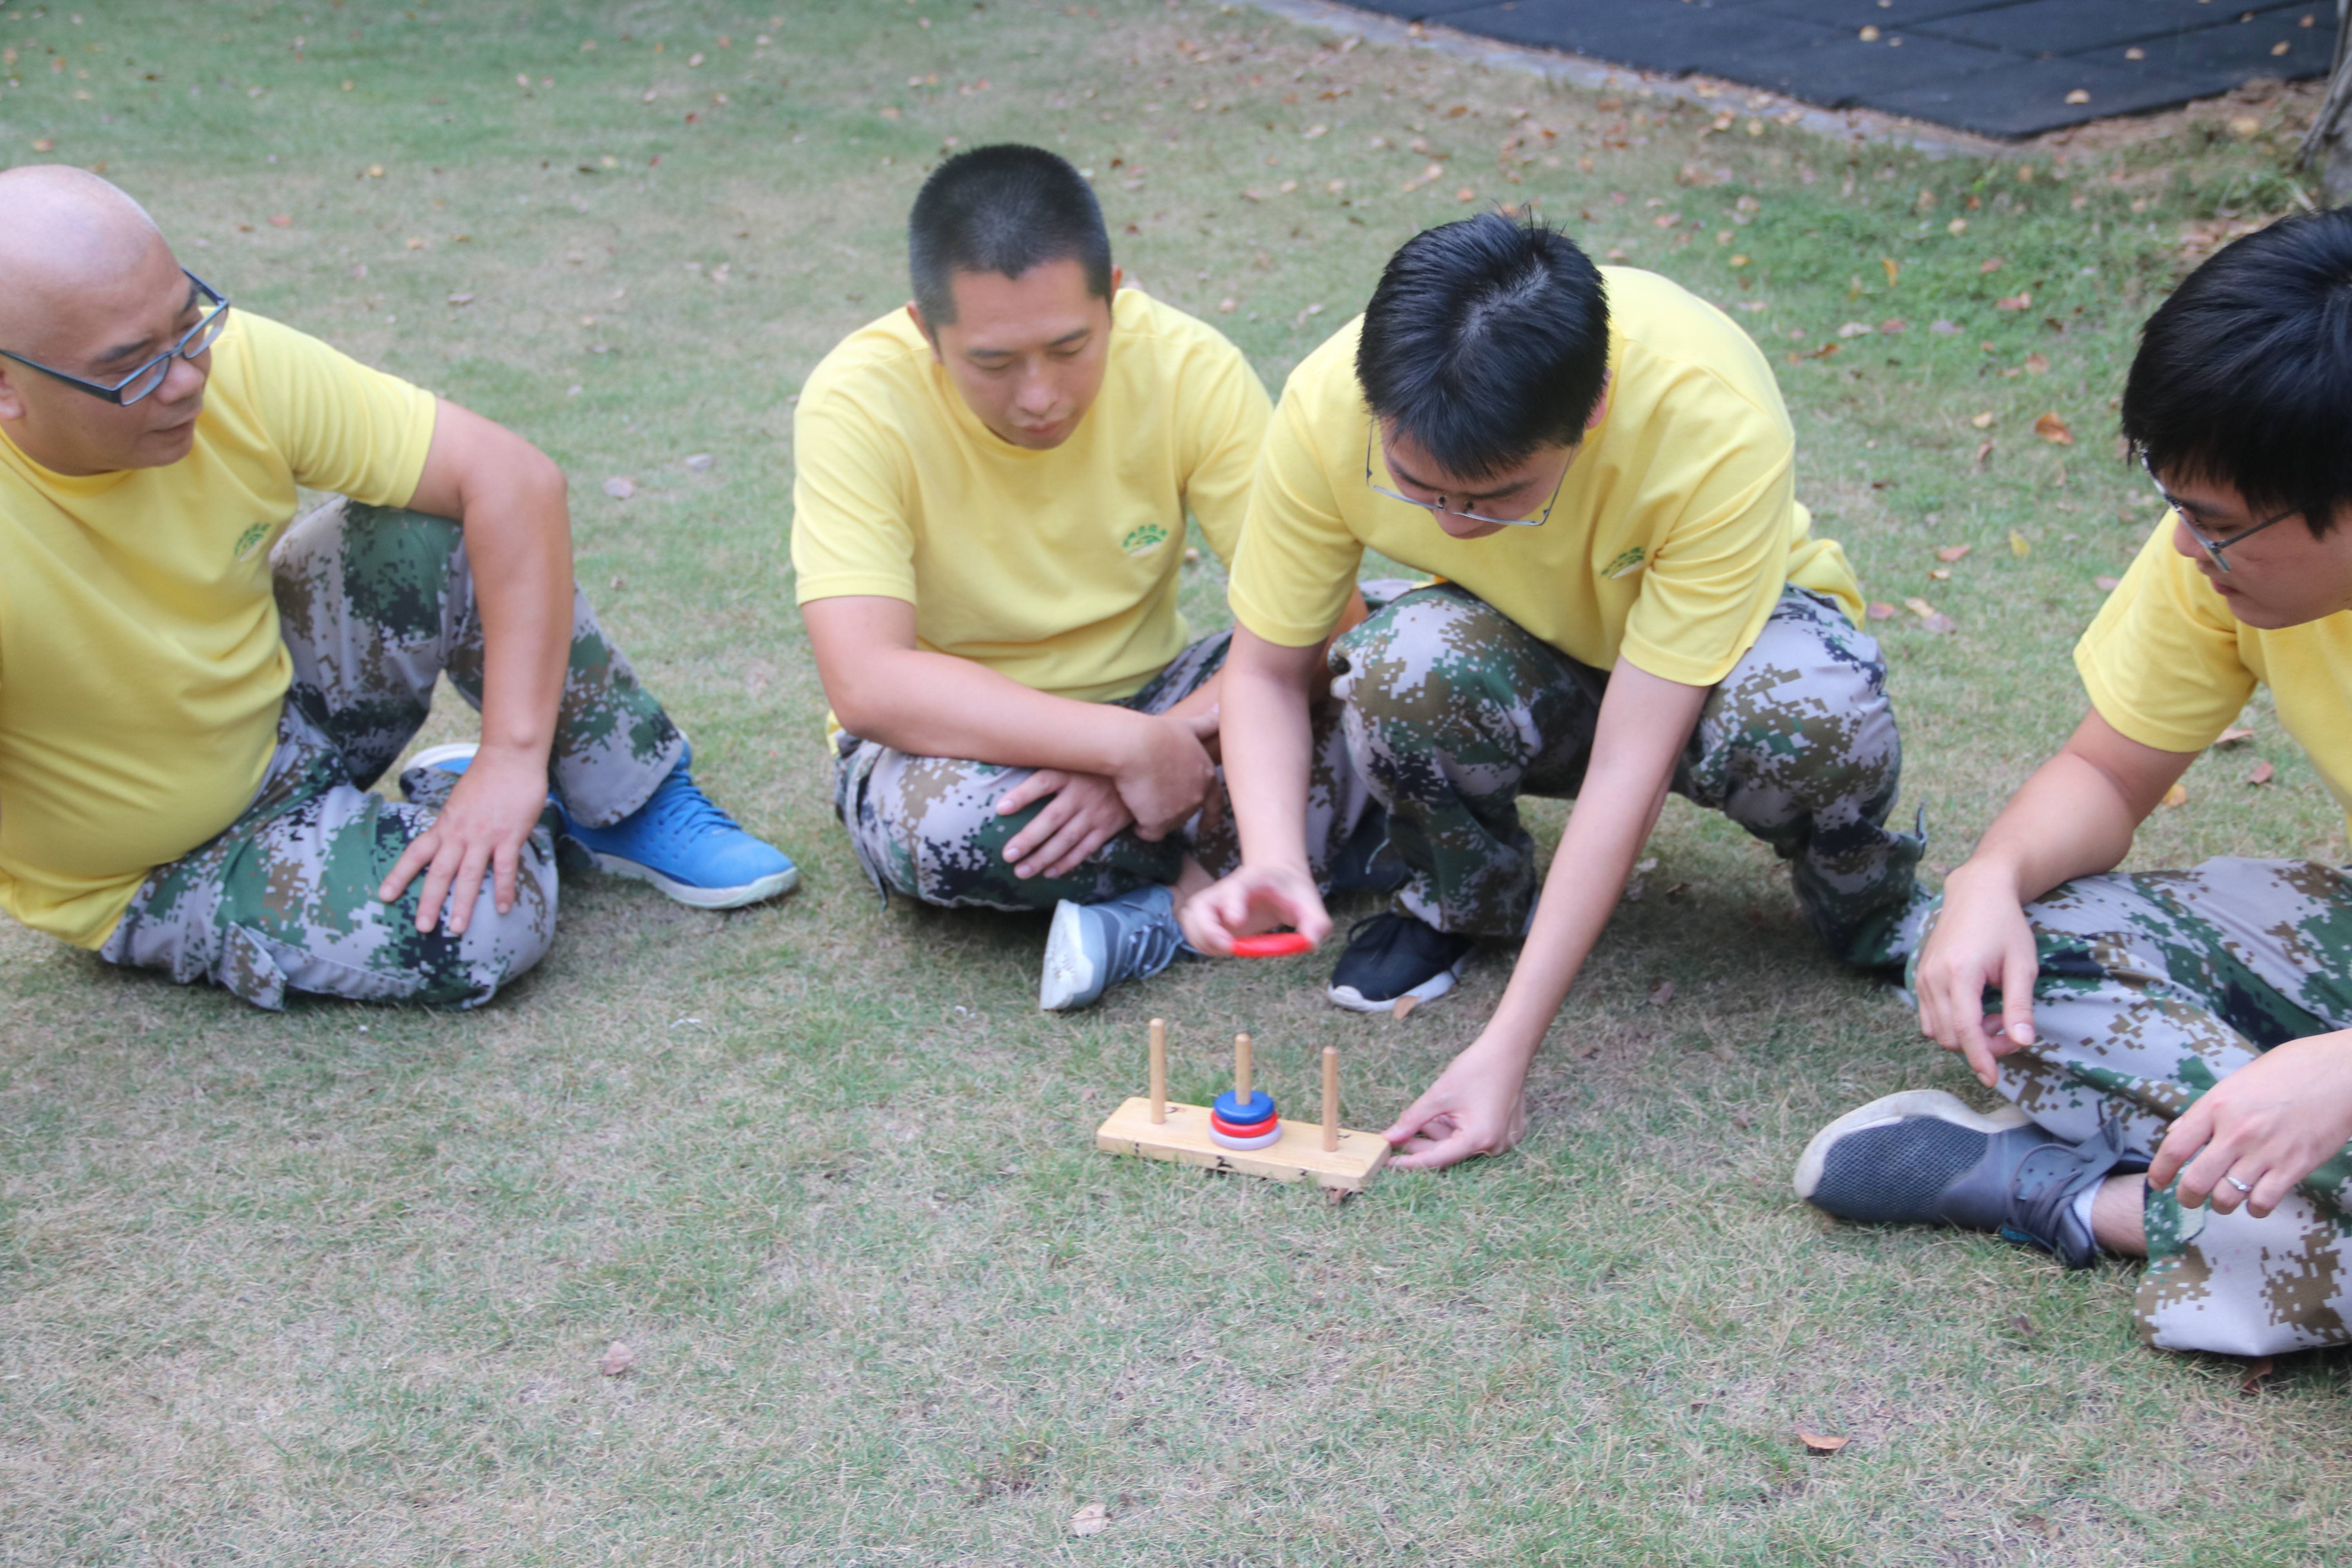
<point x="140" y="383"/>
<point x="2212" y="547"/>
<point x="1439" y="504"/>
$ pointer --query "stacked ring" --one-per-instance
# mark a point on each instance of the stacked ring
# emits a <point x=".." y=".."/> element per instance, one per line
<point x="1236" y="1123"/>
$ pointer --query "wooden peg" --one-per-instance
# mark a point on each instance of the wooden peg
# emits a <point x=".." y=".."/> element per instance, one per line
<point x="1330" y="1099"/>
<point x="1241" y="1069"/>
<point x="1158" y="1072"/>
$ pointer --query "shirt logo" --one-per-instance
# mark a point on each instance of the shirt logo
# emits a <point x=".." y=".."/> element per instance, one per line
<point x="247" y="540"/>
<point x="1629" y="562"/>
<point x="1144" y="540"/>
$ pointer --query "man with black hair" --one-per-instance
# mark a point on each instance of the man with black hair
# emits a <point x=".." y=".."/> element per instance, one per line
<point x="2193" y="1024"/>
<point x="1596" y="467"/>
<point x="989" y="531"/>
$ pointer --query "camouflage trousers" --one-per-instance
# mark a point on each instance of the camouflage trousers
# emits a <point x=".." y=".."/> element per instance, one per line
<point x="374" y="605"/>
<point x="1452" y="711"/>
<point x="928" y="827"/>
<point x="2153" y="989"/>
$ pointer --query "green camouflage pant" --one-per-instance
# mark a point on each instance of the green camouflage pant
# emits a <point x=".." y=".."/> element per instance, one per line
<point x="375" y="603"/>
<point x="1452" y="711"/>
<point x="2153" y="989"/>
<point x="928" y="827"/>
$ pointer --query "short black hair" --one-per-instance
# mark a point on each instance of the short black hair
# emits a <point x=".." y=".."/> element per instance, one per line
<point x="1486" y="340"/>
<point x="1003" y="208"/>
<point x="2244" y="377"/>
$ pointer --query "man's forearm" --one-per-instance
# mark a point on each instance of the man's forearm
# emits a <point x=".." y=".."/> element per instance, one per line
<point x="937" y="705"/>
<point x="1267" y="745"/>
<point x="519" y="545"/>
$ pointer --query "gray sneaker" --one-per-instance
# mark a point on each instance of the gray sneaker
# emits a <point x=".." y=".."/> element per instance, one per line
<point x="1923" y="1157"/>
<point x="1092" y="947"/>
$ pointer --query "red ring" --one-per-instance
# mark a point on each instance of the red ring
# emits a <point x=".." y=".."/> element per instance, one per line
<point x="1272" y="945"/>
<point x="1244" y="1129"/>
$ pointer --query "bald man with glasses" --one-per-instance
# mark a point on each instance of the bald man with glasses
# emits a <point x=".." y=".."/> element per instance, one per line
<point x="1596" y="468"/>
<point x="195" y="696"/>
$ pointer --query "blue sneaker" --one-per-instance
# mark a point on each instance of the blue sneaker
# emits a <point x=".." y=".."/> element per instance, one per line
<point x="677" y="840"/>
<point x="1092" y="947"/>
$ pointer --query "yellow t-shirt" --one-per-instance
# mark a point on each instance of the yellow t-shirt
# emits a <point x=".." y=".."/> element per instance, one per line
<point x="1674" y="532"/>
<point x="2168" y="666"/>
<point x="1056" y="568"/>
<point x="140" y="665"/>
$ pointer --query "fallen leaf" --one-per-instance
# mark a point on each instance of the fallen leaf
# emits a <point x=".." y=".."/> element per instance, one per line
<point x="1954" y="552"/>
<point x="1662" y="993"/>
<point x="2256" y="1372"/>
<point x="1091" y="1519"/>
<point x="1226" y="306"/>
<point x="1983" y="458"/>
<point x="1944" y="329"/>
<point x="1940" y="575"/>
<point x="2021" y="1326"/>
<point x="1856" y="330"/>
<point x="2053" y="429"/>
<point x="1990" y="264"/>
<point x="1815" y="1443"/>
<point x="2106" y="584"/>
<point x="1879" y="611"/>
<point x="1982" y="421"/>
<point x="281" y="220"/>
<point x="617" y="1361"/>
<point x="2014" y="302"/>
<point x="1894" y="269"/>
<point x="2176" y="796"/>
<point x="2262" y="773"/>
<point x="1959" y="226"/>
<point x="1403" y="1007"/>
<point x="1893" y="325"/>
<point x="461" y="299"/>
<point x="1824" y="351"/>
<point x="2036" y="365"/>
<point x="2019" y="546"/>
<point x="701" y="463"/>
<point x="1940" y="624"/>
<point x="2230" y="736"/>
<point x="620" y="488"/>
<point x="1919" y="607"/>
<point x="43" y="145"/>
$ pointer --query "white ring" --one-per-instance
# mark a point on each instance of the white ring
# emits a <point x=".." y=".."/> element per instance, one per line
<point x="2239" y="1185"/>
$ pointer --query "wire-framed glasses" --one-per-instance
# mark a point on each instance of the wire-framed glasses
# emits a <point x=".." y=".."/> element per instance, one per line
<point x="1439" y="504"/>
<point x="149" y="375"/>
<point x="2212" y="547"/>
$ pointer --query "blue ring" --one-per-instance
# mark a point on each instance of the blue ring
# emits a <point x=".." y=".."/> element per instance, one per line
<point x="1259" y="1106"/>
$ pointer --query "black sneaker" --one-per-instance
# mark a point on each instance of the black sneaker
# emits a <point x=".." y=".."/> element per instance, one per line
<point x="1923" y="1157"/>
<point x="1393" y="956"/>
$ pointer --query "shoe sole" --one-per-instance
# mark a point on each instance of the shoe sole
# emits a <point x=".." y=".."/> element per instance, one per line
<point x="434" y="756"/>
<point x="1069" y="978"/>
<point x="1894" y="1107"/>
<point x="1429" y="990"/>
<point x="686" y="893"/>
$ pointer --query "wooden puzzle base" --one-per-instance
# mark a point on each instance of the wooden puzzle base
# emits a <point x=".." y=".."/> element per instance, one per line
<point x="1299" y="1156"/>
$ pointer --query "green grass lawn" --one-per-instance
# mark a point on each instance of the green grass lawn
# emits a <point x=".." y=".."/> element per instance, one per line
<point x="333" y="1286"/>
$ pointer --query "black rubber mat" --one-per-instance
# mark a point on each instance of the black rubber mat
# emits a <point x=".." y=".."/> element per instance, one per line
<point x="2001" y="67"/>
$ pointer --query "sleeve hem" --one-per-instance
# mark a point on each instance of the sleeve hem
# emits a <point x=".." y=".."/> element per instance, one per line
<point x="425" y="417"/>
<point x="1681" y="669"/>
<point x="1274" y="628"/>
<point x="2135" y="726"/>
<point x="850" y="586"/>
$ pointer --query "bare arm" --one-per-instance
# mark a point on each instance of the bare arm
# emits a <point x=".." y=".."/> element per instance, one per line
<point x="1474" y="1108"/>
<point x="2074" y="817"/>
<point x="1267" y="752"/>
<point x="510" y="497"/>
<point x="884" y="688"/>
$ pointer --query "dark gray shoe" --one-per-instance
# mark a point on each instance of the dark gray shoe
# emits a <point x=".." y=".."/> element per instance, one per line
<point x="1091" y="948"/>
<point x="1923" y="1157"/>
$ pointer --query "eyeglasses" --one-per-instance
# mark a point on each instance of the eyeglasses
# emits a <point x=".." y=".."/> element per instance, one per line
<point x="140" y="383"/>
<point x="1439" y="506"/>
<point x="2212" y="547"/>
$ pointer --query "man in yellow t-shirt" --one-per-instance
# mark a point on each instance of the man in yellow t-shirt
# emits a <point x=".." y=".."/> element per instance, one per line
<point x="1598" y="468"/>
<point x="194" y="696"/>
<point x="2193" y="1024"/>
<point x="988" y="535"/>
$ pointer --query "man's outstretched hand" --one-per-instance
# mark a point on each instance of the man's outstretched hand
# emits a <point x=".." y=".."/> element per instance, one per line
<point x="1475" y="1107"/>
<point x="482" y="828"/>
<point x="1253" y="899"/>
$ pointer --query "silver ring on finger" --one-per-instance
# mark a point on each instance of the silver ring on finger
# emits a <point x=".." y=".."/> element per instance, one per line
<point x="2244" y="1187"/>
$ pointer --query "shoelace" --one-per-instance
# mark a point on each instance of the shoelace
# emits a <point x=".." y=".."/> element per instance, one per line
<point x="684" y="810"/>
<point x="2045" y="1213"/>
